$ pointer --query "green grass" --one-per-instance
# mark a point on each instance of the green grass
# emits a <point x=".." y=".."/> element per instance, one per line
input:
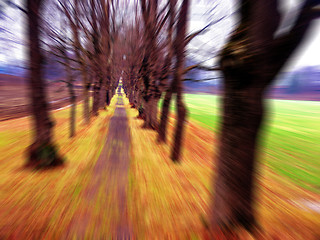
<point x="290" y="136"/>
<point x="203" y="109"/>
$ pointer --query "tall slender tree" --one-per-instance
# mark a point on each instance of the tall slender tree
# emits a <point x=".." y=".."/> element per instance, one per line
<point x="166" y="70"/>
<point x="179" y="46"/>
<point x="73" y="14"/>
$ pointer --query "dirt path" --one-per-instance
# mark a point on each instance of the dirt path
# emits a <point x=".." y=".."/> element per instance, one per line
<point x="102" y="212"/>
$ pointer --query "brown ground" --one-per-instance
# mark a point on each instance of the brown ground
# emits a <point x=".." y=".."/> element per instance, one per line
<point x="14" y="100"/>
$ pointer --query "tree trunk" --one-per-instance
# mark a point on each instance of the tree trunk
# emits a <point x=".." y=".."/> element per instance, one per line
<point x="177" y="81"/>
<point x="103" y="101"/>
<point x="166" y="71"/>
<point x="42" y="152"/>
<point x="145" y="109"/>
<point x="242" y="115"/>
<point x="73" y="114"/>
<point x="86" y="108"/>
<point x="105" y="93"/>
<point x="151" y="114"/>
<point x="72" y="96"/>
<point x="179" y="130"/>
<point x="154" y="113"/>
<point x="75" y="26"/>
<point x="108" y="97"/>
<point x="96" y="96"/>
<point x="247" y="73"/>
<point x="180" y="125"/>
<point x="162" y="136"/>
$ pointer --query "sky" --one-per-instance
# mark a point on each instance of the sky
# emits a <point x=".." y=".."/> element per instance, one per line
<point x="307" y="53"/>
<point x="203" y="48"/>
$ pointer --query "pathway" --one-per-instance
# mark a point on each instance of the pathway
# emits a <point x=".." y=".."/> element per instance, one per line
<point x="103" y="212"/>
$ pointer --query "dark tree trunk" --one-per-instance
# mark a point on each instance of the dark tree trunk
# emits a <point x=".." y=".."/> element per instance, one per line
<point x="148" y="69"/>
<point x="179" y="131"/>
<point x="249" y="62"/>
<point x="180" y="111"/>
<point x="162" y="137"/>
<point x="83" y="67"/>
<point x="108" y="97"/>
<point x="96" y="41"/>
<point x="134" y="99"/>
<point x="96" y="96"/>
<point x="106" y="92"/>
<point x="72" y="95"/>
<point x="42" y="153"/>
<point x="177" y="81"/>
<point x="151" y="114"/>
<point x="162" y="132"/>
<point x="73" y="114"/>
<point x="86" y="107"/>
<point x="242" y="115"/>
<point x="103" y="101"/>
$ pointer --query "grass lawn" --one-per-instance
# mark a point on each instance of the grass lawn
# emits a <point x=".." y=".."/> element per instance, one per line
<point x="290" y="138"/>
<point x="172" y="201"/>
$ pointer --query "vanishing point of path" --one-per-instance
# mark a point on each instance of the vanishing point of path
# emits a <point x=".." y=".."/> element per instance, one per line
<point x="102" y="211"/>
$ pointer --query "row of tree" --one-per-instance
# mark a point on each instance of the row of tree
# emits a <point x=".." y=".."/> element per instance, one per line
<point x="154" y="64"/>
<point x="81" y="36"/>
<point x="249" y="62"/>
<point x="148" y="52"/>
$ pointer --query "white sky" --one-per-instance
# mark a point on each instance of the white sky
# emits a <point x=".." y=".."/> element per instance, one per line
<point x="206" y="45"/>
<point x="306" y="55"/>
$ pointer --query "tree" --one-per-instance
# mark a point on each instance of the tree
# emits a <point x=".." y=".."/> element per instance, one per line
<point x="97" y="14"/>
<point x="181" y="111"/>
<point x="73" y="14"/>
<point x="104" y="32"/>
<point x="160" y="52"/>
<point x="249" y="62"/>
<point x="60" y="53"/>
<point x="177" y="48"/>
<point x="148" y="70"/>
<point x="166" y="69"/>
<point x="42" y="152"/>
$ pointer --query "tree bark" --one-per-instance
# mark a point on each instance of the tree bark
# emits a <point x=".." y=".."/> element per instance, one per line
<point x="162" y="136"/>
<point x="73" y="114"/>
<point x="151" y="114"/>
<point x="166" y="70"/>
<point x="96" y="96"/>
<point x="180" y="110"/>
<point x="179" y="131"/>
<point x="108" y="98"/>
<point x="106" y="92"/>
<point x="85" y="93"/>
<point x="242" y="115"/>
<point x="177" y="81"/>
<point x="83" y="67"/>
<point x="42" y="152"/>
<point x="72" y="95"/>
<point x="249" y="63"/>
